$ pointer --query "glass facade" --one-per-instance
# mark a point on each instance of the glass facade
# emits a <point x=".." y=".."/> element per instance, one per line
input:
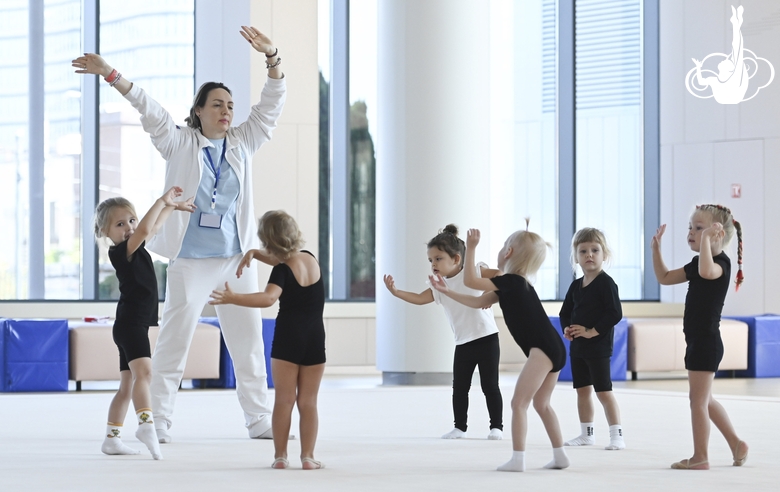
<point x="152" y="42"/>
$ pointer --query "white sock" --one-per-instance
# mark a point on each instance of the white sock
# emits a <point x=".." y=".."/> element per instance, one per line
<point x="516" y="464"/>
<point x="616" y="438"/>
<point x="587" y="438"/>
<point x="146" y="432"/>
<point x="454" y="434"/>
<point x="560" y="460"/>
<point x="113" y="444"/>
<point x="495" y="434"/>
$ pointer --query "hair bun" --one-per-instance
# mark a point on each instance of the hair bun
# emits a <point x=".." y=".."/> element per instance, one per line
<point x="452" y="229"/>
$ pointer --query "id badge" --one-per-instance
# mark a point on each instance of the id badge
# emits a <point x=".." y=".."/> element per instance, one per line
<point x="211" y="221"/>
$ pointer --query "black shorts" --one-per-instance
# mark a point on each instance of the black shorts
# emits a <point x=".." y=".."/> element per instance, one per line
<point x="703" y="352"/>
<point x="132" y="341"/>
<point x="304" y="346"/>
<point x="595" y="372"/>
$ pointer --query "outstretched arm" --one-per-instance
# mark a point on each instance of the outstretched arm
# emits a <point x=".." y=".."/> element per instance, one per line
<point x="486" y="300"/>
<point x="472" y="279"/>
<point x="662" y="273"/>
<point x="255" y="254"/>
<point x="154" y="218"/>
<point x="424" y="297"/>
<point x="257" y="299"/>
<point x="95" y="64"/>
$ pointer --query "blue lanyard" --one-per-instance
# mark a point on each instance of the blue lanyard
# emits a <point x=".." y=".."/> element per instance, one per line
<point x="216" y="170"/>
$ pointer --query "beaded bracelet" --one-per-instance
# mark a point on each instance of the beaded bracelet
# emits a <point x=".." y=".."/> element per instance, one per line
<point x="117" y="79"/>
<point x="278" y="62"/>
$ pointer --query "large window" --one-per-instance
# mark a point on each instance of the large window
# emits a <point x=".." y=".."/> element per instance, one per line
<point x="609" y="167"/>
<point x="568" y="144"/>
<point x="45" y="172"/>
<point x="152" y="42"/>
<point x="347" y="59"/>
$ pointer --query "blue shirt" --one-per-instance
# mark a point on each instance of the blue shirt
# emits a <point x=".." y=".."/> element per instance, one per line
<point x="206" y="242"/>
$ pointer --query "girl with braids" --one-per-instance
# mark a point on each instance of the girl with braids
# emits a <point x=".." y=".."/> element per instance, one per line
<point x="710" y="229"/>
<point x="476" y="333"/>
<point x="519" y="260"/>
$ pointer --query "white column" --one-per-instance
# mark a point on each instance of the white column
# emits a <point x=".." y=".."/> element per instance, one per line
<point x="432" y="166"/>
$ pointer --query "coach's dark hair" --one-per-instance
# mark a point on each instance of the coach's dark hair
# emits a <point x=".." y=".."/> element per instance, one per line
<point x="193" y="121"/>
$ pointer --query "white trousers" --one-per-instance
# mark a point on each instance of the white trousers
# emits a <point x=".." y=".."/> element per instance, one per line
<point x="190" y="281"/>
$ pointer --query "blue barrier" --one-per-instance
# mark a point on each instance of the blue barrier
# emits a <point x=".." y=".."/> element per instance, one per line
<point x="763" y="346"/>
<point x="227" y="376"/>
<point x="619" y="362"/>
<point x="33" y="355"/>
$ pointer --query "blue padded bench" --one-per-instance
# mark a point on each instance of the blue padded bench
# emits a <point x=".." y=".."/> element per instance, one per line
<point x="33" y="355"/>
<point x="227" y="376"/>
<point x="618" y="363"/>
<point x="763" y="346"/>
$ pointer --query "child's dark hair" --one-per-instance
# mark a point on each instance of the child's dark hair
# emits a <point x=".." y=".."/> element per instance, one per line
<point x="448" y="241"/>
<point x="722" y="214"/>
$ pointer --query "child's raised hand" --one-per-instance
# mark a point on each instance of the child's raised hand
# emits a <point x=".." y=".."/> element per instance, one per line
<point x="713" y="232"/>
<point x="472" y="238"/>
<point x="245" y="262"/>
<point x="168" y="196"/>
<point x="656" y="241"/>
<point x="221" y="296"/>
<point x="390" y="284"/>
<point x="187" y="205"/>
<point x="437" y="282"/>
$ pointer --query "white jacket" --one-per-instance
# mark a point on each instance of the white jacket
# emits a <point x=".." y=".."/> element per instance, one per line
<point x="181" y="147"/>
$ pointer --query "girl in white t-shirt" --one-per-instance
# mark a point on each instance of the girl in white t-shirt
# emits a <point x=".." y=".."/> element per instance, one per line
<point x="476" y="333"/>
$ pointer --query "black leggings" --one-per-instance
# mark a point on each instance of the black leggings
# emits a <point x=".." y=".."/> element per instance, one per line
<point x="483" y="352"/>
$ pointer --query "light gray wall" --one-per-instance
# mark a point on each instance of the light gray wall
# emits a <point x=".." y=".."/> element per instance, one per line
<point x="706" y="147"/>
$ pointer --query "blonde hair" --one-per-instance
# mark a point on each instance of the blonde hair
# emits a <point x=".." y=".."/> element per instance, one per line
<point x="528" y="253"/>
<point x="279" y="234"/>
<point x="100" y="222"/>
<point x="721" y="214"/>
<point x="589" y="235"/>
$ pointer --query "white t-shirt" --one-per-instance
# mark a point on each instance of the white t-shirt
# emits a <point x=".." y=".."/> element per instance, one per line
<point x="468" y="324"/>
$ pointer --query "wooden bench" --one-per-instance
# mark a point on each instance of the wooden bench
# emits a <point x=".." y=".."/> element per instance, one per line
<point x="658" y="344"/>
<point x="95" y="357"/>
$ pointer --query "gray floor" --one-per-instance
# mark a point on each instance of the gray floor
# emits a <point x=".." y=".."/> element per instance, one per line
<point x="387" y="438"/>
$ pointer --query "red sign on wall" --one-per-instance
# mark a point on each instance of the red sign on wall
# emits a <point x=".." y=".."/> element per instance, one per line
<point x="736" y="190"/>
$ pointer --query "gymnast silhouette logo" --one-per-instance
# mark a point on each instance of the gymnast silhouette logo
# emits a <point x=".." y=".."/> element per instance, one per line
<point x="735" y="71"/>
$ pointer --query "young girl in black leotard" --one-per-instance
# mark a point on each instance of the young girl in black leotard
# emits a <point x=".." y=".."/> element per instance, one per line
<point x="709" y="231"/>
<point x="522" y="255"/>
<point x="136" y="310"/>
<point x="298" y="351"/>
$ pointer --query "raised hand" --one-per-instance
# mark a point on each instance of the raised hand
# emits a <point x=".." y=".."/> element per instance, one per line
<point x="437" y="282"/>
<point x="696" y="62"/>
<point x="472" y="238"/>
<point x="245" y="262"/>
<point x="221" y="296"/>
<point x="92" y="63"/>
<point x="656" y="241"/>
<point x="258" y="40"/>
<point x="168" y="196"/>
<point x="187" y="205"/>
<point x="390" y="284"/>
<point x="714" y="232"/>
